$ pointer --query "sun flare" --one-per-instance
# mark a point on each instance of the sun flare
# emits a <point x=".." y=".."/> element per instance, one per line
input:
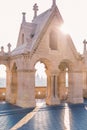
<point x="64" y="29"/>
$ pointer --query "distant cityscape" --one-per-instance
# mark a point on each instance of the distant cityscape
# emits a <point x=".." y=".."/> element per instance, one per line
<point x="40" y="82"/>
<point x="2" y="82"/>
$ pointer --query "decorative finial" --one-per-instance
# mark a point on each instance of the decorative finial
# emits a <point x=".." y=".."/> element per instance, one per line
<point x="54" y="3"/>
<point x="84" y="42"/>
<point x="2" y="50"/>
<point x="23" y="18"/>
<point x="9" y="47"/>
<point x="35" y="8"/>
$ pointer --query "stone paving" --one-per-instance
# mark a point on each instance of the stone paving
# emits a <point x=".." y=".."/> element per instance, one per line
<point x="53" y="118"/>
<point x="62" y="117"/>
<point x="10" y="115"/>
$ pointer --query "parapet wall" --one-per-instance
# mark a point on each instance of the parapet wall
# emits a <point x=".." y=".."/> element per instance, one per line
<point x="40" y="92"/>
<point x="2" y="94"/>
<point x="85" y="93"/>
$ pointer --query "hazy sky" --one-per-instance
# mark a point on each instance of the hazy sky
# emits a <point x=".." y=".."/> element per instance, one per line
<point x="74" y="13"/>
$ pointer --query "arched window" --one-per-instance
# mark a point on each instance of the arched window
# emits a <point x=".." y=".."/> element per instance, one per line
<point x="40" y="75"/>
<point x="2" y="76"/>
<point x="66" y="78"/>
<point x="22" y="38"/>
<point x="53" y="40"/>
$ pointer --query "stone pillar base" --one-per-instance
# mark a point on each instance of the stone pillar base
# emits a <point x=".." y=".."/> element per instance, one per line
<point x="26" y="104"/>
<point x="76" y="100"/>
<point x="85" y="93"/>
<point x="52" y="101"/>
<point x="11" y="99"/>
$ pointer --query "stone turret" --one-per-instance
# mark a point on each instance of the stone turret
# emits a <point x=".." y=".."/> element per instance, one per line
<point x="54" y="3"/>
<point x="84" y="42"/>
<point x="2" y="50"/>
<point x="9" y="47"/>
<point x="23" y="18"/>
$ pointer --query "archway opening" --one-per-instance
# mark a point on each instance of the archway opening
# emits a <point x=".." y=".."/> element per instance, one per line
<point x="40" y="81"/>
<point x="2" y="82"/>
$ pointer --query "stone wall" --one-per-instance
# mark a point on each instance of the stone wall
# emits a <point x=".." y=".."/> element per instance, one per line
<point x="85" y="93"/>
<point x="40" y="93"/>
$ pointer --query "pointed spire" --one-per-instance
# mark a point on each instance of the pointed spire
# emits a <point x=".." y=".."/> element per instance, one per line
<point x="54" y="3"/>
<point x="2" y="50"/>
<point x="85" y="43"/>
<point x="9" y="47"/>
<point x="23" y="18"/>
<point x="35" y="8"/>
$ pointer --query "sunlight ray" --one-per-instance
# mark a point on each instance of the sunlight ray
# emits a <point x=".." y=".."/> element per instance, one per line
<point x="66" y="118"/>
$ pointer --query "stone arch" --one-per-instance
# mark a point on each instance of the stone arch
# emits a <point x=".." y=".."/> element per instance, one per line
<point x="4" y="61"/>
<point x="40" y="80"/>
<point x="46" y="61"/>
<point x="65" y="64"/>
<point x="13" y="63"/>
<point x="65" y="67"/>
<point x="40" y="76"/>
<point x="48" y="66"/>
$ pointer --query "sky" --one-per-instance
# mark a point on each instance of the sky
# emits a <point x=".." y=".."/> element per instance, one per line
<point x="74" y="13"/>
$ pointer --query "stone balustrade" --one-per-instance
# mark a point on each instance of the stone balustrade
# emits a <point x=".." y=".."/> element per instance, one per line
<point x="2" y="52"/>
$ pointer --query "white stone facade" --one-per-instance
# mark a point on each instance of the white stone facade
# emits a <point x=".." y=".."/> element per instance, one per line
<point x="42" y="40"/>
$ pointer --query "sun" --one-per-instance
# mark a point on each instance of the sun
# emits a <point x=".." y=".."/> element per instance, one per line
<point x="64" y="29"/>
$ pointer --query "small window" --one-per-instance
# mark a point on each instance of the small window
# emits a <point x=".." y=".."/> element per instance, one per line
<point x="53" y="40"/>
<point x="2" y="76"/>
<point x="66" y="78"/>
<point x="23" y="38"/>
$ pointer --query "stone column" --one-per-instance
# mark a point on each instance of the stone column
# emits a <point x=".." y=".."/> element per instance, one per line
<point x="84" y="42"/>
<point x="26" y="88"/>
<point x="52" y="98"/>
<point x="62" y="86"/>
<point x="11" y="87"/>
<point x="8" y="85"/>
<point x="48" y="86"/>
<point x="75" y="87"/>
<point x="85" y="84"/>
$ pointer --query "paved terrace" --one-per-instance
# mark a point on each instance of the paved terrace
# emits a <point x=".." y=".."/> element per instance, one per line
<point x="62" y="117"/>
